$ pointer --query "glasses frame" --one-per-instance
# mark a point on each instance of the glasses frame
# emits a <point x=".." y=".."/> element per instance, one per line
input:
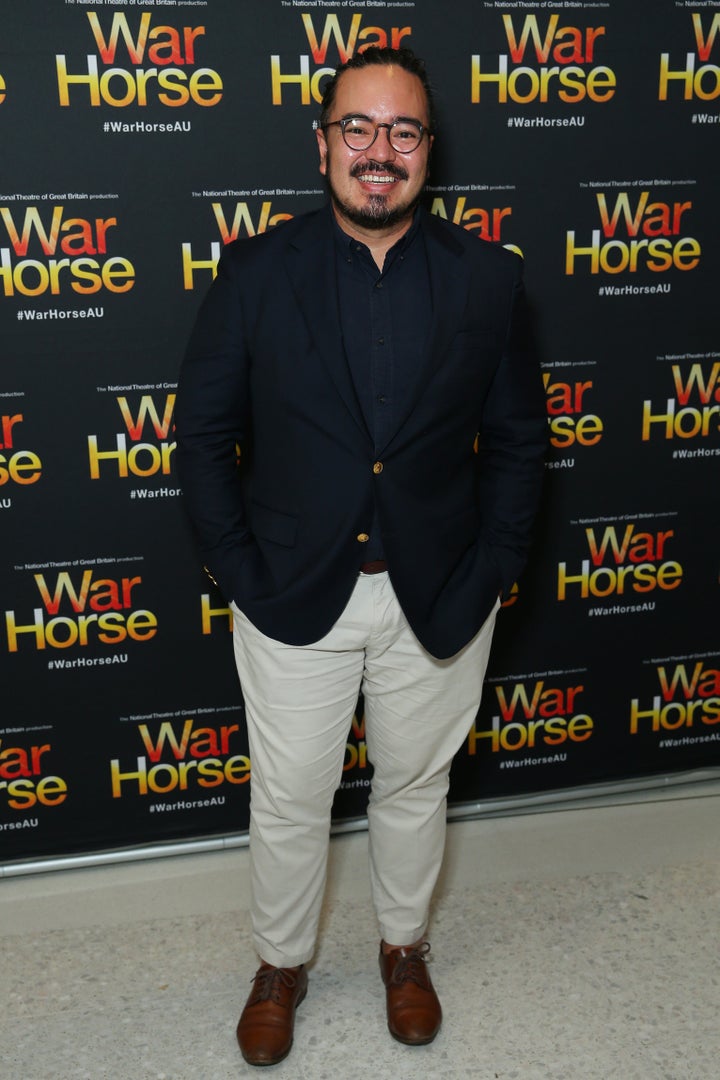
<point x="342" y="124"/>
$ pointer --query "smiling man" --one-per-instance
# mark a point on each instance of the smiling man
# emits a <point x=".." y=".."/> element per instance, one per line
<point x="375" y="368"/>
<point x="375" y="174"/>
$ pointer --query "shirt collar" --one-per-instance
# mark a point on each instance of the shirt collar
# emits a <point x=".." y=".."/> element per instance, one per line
<point x="345" y="243"/>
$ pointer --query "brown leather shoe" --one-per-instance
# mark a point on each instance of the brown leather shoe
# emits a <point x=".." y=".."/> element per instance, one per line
<point x="265" y="1028"/>
<point x="413" y="1009"/>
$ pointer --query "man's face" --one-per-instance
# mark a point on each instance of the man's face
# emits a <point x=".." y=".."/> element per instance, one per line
<point x="379" y="187"/>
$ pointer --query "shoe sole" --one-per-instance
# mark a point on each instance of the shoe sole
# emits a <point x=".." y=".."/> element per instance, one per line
<point x="413" y="1042"/>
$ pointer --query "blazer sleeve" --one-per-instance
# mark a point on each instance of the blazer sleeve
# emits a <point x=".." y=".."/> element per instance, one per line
<point x="212" y="424"/>
<point x="512" y="444"/>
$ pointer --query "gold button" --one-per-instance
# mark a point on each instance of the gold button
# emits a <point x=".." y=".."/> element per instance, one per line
<point x="378" y="467"/>
<point x="363" y="538"/>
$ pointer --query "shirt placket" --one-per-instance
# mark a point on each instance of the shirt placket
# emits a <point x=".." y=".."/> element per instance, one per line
<point x="381" y="359"/>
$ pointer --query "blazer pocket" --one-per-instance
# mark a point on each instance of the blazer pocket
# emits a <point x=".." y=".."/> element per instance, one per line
<point x="273" y="525"/>
<point x="461" y="530"/>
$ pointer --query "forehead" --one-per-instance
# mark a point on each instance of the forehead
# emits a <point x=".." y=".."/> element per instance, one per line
<point x="381" y="92"/>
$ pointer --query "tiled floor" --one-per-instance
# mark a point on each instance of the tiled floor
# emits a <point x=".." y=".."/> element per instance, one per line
<point x="579" y="944"/>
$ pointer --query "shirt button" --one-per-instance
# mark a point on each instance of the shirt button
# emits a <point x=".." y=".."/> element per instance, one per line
<point x="378" y="467"/>
<point x="381" y="341"/>
<point x="363" y="538"/>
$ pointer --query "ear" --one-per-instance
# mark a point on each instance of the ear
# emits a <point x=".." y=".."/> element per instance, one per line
<point x="431" y="140"/>
<point x="322" y="149"/>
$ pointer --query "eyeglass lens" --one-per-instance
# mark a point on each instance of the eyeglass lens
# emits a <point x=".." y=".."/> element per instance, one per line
<point x="360" y="133"/>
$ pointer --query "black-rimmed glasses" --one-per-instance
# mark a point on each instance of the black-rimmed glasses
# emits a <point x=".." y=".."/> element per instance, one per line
<point x="360" y="133"/>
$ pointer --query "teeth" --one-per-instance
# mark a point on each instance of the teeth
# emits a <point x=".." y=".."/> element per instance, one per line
<point x="370" y="178"/>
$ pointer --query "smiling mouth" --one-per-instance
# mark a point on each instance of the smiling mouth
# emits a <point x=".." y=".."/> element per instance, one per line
<point x="373" y="178"/>
<point x="386" y="175"/>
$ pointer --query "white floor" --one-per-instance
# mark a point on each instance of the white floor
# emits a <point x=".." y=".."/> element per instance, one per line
<point x="580" y="944"/>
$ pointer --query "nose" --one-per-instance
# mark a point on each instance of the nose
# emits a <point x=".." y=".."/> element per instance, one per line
<point x="381" y="149"/>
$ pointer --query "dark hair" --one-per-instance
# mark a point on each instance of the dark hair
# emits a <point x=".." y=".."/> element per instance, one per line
<point x="375" y="55"/>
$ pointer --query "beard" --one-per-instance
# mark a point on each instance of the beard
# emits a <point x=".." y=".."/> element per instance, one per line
<point x="374" y="213"/>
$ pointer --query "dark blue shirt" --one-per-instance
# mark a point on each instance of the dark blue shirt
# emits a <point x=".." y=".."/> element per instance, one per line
<point x="385" y="318"/>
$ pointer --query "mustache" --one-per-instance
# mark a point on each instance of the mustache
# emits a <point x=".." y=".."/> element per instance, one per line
<point x="376" y="166"/>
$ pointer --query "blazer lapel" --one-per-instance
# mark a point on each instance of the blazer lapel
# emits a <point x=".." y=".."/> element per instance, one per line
<point x="449" y="287"/>
<point x="310" y="262"/>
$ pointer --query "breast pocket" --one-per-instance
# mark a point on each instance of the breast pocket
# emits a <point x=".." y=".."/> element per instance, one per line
<point x="473" y="341"/>
<point x="470" y="362"/>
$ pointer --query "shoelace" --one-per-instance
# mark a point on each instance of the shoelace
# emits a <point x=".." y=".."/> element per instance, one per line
<point x="267" y="984"/>
<point x="410" y="967"/>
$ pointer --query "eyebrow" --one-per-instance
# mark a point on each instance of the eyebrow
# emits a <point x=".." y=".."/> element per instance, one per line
<point x="395" y="120"/>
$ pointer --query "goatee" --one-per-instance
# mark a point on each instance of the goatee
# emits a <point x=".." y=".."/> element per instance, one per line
<point x="374" y="213"/>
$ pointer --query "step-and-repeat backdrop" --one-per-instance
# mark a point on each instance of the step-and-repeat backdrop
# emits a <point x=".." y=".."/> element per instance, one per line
<point x="137" y="139"/>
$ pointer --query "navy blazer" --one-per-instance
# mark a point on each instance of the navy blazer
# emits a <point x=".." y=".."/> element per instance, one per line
<point x="282" y="530"/>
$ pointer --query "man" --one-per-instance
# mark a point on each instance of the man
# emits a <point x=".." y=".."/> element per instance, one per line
<point x="354" y="354"/>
